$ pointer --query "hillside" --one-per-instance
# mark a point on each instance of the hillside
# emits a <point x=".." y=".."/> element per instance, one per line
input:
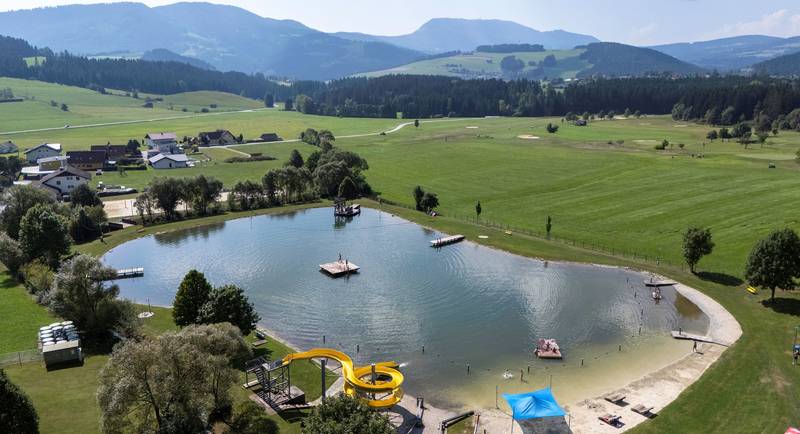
<point x="605" y="59"/>
<point x="227" y="37"/>
<point x="164" y="55"/>
<point x="449" y="34"/>
<point x="787" y="65"/>
<point x="731" y="54"/>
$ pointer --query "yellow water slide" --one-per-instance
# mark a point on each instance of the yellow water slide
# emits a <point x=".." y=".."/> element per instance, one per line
<point x="385" y="392"/>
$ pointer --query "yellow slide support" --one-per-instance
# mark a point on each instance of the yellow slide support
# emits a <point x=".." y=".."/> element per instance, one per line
<point x="357" y="381"/>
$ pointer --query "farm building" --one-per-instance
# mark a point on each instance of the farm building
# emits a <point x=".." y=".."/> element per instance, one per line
<point x="42" y="151"/>
<point x="163" y="143"/>
<point x="217" y="138"/>
<point x="87" y="160"/>
<point x="44" y="167"/>
<point x="8" y="147"/>
<point x="169" y="161"/>
<point x="270" y="137"/>
<point x="113" y="152"/>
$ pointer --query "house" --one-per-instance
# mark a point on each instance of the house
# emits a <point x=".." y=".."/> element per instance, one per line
<point x="270" y="137"/>
<point x="8" y="147"/>
<point x="42" y="151"/>
<point x="87" y="160"/>
<point x="162" y="143"/>
<point x="113" y="152"/>
<point x="44" y="167"/>
<point x="169" y="161"/>
<point x="217" y="138"/>
<point x="61" y="182"/>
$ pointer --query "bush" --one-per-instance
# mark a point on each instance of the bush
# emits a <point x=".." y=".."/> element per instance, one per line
<point x="250" y="159"/>
<point x="17" y="414"/>
<point x="345" y="415"/>
<point x="38" y="278"/>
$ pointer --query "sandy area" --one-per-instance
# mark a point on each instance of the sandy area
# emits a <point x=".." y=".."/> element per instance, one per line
<point x="472" y="127"/>
<point x="528" y="137"/>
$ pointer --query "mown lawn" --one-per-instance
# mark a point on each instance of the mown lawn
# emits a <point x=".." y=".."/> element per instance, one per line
<point x="20" y="317"/>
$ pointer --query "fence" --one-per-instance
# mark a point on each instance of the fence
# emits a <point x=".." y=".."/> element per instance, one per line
<point x="20" y="357"/>
<point x="593" y="247"/>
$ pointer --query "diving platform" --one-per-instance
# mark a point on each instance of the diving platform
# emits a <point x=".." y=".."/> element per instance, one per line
<point x="339" y="268"/>
<point x="439" y="242"/>
<point x="127" y="273"/>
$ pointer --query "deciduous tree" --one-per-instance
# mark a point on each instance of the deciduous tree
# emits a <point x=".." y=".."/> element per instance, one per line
<point x="696" y="244"/>
<point x="775" y="261"/>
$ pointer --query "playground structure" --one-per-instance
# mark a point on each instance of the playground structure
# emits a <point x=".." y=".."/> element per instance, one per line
<point x="378" y="384"/>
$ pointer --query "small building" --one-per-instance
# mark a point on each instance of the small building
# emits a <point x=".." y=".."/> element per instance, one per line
<point x="62" y="352"/>
<point x="270" y="137"/>
<point x="169" y="161"/>
<point x="581" y="123"/>
<point x="217" y="138"/>
<point x="87" y="160"/>
<point x="44" y="167"/>
<point x="61" y="182"/>
<point x="8" y="147"/>
<point x="44" y="150"/>
<point x="163" y="143"/>
<point x="113" y="152"/>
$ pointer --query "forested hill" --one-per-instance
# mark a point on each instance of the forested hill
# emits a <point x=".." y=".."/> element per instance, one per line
<point x="788" y="65"/>
<point x="144" y="76"/>
<point x="610" y="59"/>
<point x="164" y="55"/>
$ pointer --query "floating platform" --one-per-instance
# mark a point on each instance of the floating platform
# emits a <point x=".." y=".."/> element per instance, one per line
<point x="128" y="273"/>
<point x="547" y="349"/>
<point x="659" y="283"/>
<point x="347" y="211"/>
<point x="439" y="242"/>
<point x="339" y="268"/>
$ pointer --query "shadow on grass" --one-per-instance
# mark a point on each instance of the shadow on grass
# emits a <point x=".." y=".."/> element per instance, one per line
<point x="720" y="278"/>
<point x="294" y="415"/>
<point x="790" y="306"/>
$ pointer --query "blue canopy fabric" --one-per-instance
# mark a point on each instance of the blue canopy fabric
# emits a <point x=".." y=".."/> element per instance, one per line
<point x="532" y="405"/>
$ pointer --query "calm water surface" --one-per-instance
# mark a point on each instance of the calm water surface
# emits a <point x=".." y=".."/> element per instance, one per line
<point x="465" y="303"/>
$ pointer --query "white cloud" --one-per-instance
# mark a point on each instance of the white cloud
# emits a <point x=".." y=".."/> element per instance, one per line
<point x="778" y="23"/>
<point x="644" y="35"/>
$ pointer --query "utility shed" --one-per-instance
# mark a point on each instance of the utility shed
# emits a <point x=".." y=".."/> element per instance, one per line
<point x="62" y="352"/>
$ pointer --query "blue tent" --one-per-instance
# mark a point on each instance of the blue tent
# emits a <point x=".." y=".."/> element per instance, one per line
<point x="540" y="403"/>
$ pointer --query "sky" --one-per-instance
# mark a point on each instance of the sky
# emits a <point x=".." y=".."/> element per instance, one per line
<point x="638" y="22"/>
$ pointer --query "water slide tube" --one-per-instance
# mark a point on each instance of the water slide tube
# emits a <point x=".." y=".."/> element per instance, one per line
<point x="384" y="393"/>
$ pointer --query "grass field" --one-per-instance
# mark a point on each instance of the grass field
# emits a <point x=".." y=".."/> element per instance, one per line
<point x="479" y="64"/>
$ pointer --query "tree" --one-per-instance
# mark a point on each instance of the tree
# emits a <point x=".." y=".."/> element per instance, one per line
<point x="80" y="293"/>
<point x="552" y="128"/>
<point x="345" y="415"/>
<point x="712" y="116"/>
<point x="295" y="159"/>
<point x="17" y="414"/>
<point x="478" y="210"/>
<point x="429" y="202"/>
<point x="193" y="292"/>
<point x="416" y="123"/>
<point x="82" y="227"/>
<point x="84" y="195"/>
<point x="775" y="261"/>
<point x="348" y="189"/>
<point x="144" y="205"/>
<point x="419" y="193"/>
<point x="326" y="136"/>
<point x="44" y="234"/>
<point x="11" y="254"/>
<point x="64" y="107"/>
<point x="728" y="116"/>
<point x="16" y="201"/>
<point x="548" y="226"/>
<point x="724" y="133"/>
<point x="288" y="105"/>
<point x="166" y="193"/>
<point x="712" y="135"/>
<point x="696" y="244"/>
<point x="171" y="383"/>
<point x="203" y="192"/>
<point x="269" y="100"/>
<point x="512" y="64"/>
<point x="133" y="146"/>
<point x="229" y="304"/>
<point x="250" y="418"/>
<point x="762" y="137"/>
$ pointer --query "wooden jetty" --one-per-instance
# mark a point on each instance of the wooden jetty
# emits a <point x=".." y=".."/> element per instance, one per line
<point x="439" y="242"/>
<point x="127" y="273"/>
<point x="659" y="283"/>
<point x="339" y="268"/>
<point x="680" y="334"/>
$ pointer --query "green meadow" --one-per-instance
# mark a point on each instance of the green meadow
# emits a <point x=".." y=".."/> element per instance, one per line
<point x="612" y="197"/>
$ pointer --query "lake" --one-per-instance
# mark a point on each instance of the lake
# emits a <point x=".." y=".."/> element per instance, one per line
<point x="465" y="303"/>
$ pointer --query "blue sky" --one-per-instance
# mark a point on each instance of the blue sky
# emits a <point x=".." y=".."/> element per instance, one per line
<point x="641" y="22"/>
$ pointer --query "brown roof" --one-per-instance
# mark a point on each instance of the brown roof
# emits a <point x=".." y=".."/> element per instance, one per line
<point x="66" y="171"/>
<point x="86" y="157"/>
<point x="215" y="135"/>
<point x="112" y="149"/>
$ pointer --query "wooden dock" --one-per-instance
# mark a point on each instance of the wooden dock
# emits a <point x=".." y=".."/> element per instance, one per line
<point x="127" y="273"/>
<point x="659" y="283"/>
<point x="439" y="242"/>
<point x="339" y="268"/>
<point x="679" y="334"/>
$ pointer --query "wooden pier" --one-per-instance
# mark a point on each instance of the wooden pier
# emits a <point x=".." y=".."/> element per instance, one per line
<point x="680" y="334"/>
<point x="339" y="268"/>
<point x="439" y="242"/>
<point x="128" y="273"/>
<point x="659" y="283"/>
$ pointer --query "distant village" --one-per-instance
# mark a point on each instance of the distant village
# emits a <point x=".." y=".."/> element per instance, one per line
<point x="48" y="167"/>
